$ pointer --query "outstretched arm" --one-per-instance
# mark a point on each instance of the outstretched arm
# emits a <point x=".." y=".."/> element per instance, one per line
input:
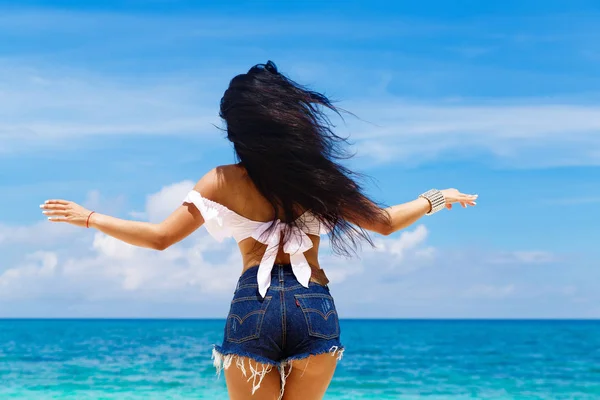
<point x="180" y="224"/>
<point x="406" y="214"/>
<point x="177" y="226"/>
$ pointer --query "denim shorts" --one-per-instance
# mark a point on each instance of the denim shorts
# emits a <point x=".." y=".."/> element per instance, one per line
<point x="291" y="322"/>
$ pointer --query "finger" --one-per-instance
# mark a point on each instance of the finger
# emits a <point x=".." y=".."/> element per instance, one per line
<point x="449" y="206"/>
<point x="57" y="201"/>
<point x="463" y="204"/>
<point x="57" y="219"/>
<point x="59" y="213"/>
<point x="53" y="206"/>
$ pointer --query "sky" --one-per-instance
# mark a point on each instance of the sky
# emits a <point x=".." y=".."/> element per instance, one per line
<point x="114" y="104"/>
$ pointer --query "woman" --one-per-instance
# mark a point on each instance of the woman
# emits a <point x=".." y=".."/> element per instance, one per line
<point x="282" y="333"/>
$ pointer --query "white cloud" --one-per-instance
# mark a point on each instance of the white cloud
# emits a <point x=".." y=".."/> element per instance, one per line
<point x="525" y="291"/>
<point x="407" y="243"/>
<point x="45" y="108"/>
<point x="392" y="255"/>
<point x="44" y="233"/>
<point x="112" y="269"/>
<point x="55" y="106"/>
<point x="115" y="270"/>
<point x="160" y="205"/>
<point x="41" y="263"/>
<point x="401" y="276"/>
<point x="524" y="257"/>
<point x="527" y="133"/>
<point x="186" y="272"/>
<point x="41" y="233"/>
<point x="38" y="269"/>
<point x="49" y="108"/>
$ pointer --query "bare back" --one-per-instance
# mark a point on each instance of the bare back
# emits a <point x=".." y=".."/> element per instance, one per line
<point x="235" y="190"/>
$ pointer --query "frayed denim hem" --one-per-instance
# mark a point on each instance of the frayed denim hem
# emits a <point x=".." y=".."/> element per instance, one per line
<point x="257" y="372"/>
<point x="223" y="360"/>
<point x="335" y="351"/>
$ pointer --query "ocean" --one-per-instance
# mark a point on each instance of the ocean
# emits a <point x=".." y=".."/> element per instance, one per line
<point x="384" y="359"/>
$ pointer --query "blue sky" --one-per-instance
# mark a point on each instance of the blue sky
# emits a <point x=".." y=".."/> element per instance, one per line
<point x="112" y="103"/>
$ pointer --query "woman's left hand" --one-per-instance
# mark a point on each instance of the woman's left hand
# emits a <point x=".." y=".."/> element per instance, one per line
<point x="66" y="211"/>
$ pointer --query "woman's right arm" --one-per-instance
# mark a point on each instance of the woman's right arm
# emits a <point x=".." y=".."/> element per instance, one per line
<point x="403" y="215"/>
<point x="184" y="220"/>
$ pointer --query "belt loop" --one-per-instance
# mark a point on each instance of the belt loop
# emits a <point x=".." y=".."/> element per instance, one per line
<point x="281" y="274"/>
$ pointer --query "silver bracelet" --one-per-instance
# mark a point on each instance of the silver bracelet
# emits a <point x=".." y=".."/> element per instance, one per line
<point x="436" y="199"/>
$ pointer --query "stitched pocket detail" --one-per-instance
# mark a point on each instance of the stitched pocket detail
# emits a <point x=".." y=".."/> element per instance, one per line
<point x="247" y="280"/>
<point x="245" y="318"/>
<point x="320" y="314"/>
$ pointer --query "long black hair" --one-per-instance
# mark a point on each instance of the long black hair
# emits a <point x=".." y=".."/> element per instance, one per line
<point x="283" y="138"/>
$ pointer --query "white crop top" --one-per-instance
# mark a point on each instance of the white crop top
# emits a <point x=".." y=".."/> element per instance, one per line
<point x="221" y="223"/>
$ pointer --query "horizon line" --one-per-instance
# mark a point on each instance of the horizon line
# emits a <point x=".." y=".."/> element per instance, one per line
<point x="341" y="319"/>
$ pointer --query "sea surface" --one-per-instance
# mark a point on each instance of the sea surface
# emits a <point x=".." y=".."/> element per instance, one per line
<point x="391" y="359"/>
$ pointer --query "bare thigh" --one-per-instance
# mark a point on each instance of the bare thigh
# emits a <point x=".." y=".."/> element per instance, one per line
<point x="242" y="381"/>
<point x="309" y="378"/>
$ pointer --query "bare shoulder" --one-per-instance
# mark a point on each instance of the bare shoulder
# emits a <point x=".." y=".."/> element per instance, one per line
<point x="222" y="182"/>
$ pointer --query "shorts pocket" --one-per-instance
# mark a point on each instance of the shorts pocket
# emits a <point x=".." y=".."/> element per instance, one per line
<point x="321" y="315"/>
<point x="247" y="280"/>
<point x="245" y="318"/>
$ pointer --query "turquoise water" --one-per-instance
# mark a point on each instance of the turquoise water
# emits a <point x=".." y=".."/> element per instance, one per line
<point x="170" y="359"/>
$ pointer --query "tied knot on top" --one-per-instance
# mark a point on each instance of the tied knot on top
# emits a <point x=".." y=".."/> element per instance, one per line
<point x="295" y="245"/>
<point x="221" y="222"/>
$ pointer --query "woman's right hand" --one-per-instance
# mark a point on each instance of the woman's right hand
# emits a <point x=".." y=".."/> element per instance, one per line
<point x="454" y="196"/>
